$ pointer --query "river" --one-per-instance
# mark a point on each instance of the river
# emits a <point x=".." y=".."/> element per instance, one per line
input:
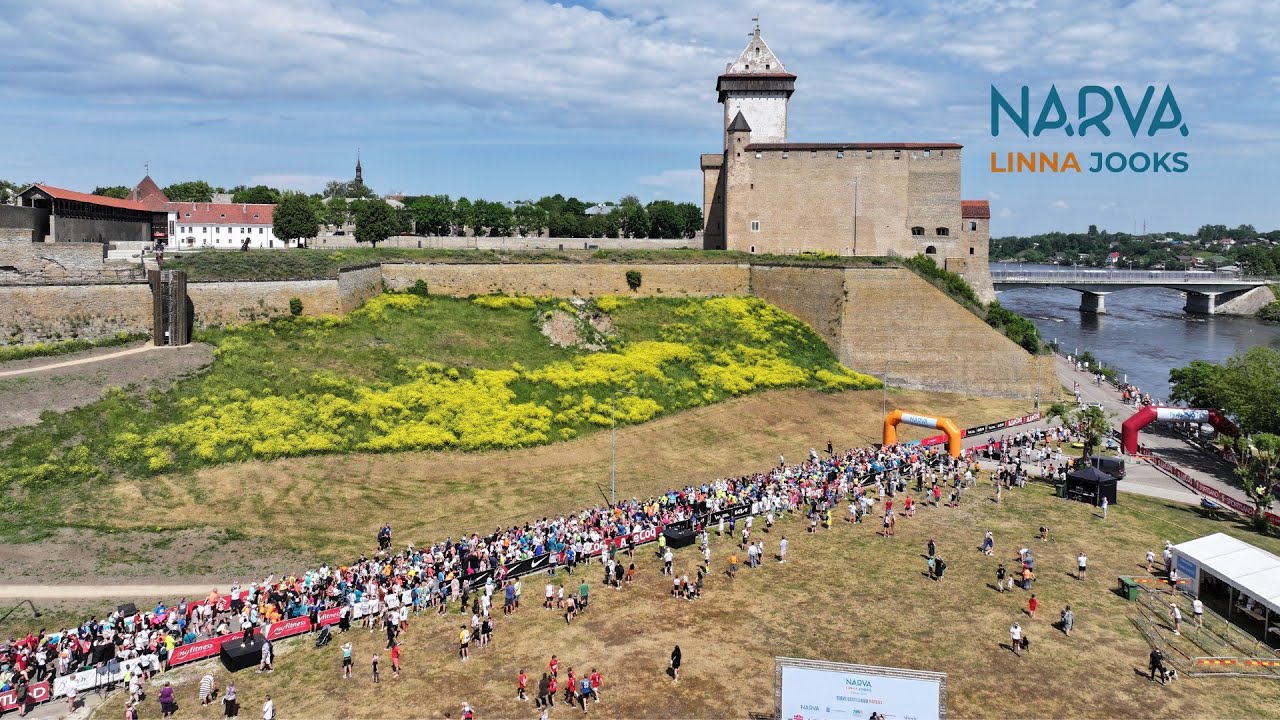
<point x="1144" y="333"/>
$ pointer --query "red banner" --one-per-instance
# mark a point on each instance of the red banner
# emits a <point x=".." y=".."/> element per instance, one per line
<point x="1238" y="505"/>
<point x="329" y="617"/>
<point x="935" y="440"/>
<point x="288" y="628"/>
<point x="199" y="650"/>
<point x="36" y="693"/>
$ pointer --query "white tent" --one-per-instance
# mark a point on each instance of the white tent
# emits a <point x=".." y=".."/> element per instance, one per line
<point x="1250" y="570"/>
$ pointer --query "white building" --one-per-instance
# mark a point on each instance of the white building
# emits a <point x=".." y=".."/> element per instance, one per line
<point x="225" y="225"/>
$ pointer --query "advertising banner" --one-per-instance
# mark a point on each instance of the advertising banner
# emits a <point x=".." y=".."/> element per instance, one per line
<point x="110" y="672"/>
<point x="816" y="690"/>
<point x="288" y="628"/>
<point x="36" y="693"/>
<point x="919" y="420"/>
<point x="332" y="616"/>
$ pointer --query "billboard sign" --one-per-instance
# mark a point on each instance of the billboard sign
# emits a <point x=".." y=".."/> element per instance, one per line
<point x="818" y="690"/>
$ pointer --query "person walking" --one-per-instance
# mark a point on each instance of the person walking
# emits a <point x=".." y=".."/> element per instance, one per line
<point x="1015" y="638"/>
<point x="464" y="641"/>
<point x="346" y="661"/>
<point x="206" y="689"/>
<point x="1032" y="604"/>
<point x="269" y="709"/>
<point x="1068" y="620"/>
<point x="1175" y="614"/>
<point x="1082" y="565"/>
<point x="230" y="708"/>
<point x="267" y="656"/>
<point x="395" y="661"/>
<point x="1197" y="611"/>
<point x="377" y="678"/>
<point x="1151" y="558"/>
<point x="522" y="680"/>
<point x="1000" y="573"/>
<point x="167" y="705"/>
<point x="782" y="549"/>
<point x="1104" y="507"/>
<point x="1156" y="663"/>
<point x="675" y="664"/>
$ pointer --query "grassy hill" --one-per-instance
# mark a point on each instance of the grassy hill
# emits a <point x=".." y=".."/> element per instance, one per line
<point x="846" y="595"/>
<point x="406" y="372"/>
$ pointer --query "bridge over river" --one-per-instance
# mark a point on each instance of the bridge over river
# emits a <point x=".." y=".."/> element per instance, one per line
<point x="1207" y="292"/>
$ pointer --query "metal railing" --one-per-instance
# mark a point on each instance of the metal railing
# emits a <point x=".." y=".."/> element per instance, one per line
<point x="1144" y="276"/>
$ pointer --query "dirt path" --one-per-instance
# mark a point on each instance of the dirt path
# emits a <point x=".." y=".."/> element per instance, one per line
<point x="84" y="592"/>
<point x="78" y="361"/>
<point x="35" y="385"/>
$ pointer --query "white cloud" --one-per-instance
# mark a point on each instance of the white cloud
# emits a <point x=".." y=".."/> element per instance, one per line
<point x="287" y="181"/>
<point x="1059" y="205"/>
<point x="1006" y="212"/>
<point x="993" y="194"/>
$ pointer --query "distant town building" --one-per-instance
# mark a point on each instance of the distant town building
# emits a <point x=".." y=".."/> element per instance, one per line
<point x="54" y="214"/>
<point x="195" y="225"/>
<point x="765" y="194"/>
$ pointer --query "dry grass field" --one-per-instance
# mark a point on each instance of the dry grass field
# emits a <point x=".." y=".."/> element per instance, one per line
<point x="330" y="508"/>
<point x="846" y="595"/>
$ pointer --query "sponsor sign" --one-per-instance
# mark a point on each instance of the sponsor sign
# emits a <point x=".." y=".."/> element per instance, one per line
<point x="935" y="440"/>
<point x="332" y="616"/>
<point x="288" y="628"/>
<point x="112" y="671"/>
<point x="199" y="650"/>
<point x="816" y="690"/>
<point x="919" y="420"/>
<point x="1169" y="414"/>
<point x="1187" y="569"/>
<point x="36" y="693"/>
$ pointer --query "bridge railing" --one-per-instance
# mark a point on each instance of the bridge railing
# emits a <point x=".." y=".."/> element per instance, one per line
<point x="1145" y="276"/>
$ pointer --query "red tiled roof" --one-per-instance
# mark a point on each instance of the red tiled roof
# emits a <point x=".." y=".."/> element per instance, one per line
<point x="854" y="146"/>
<point x="975" y="209"/>
<point x="221" y="213"/>
<point x="148" y="193"/>
<point x="73" y="196"/>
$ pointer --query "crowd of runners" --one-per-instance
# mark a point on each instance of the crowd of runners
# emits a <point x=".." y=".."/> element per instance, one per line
<point x="469" y="575"/>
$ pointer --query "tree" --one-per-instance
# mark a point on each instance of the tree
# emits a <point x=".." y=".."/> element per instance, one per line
<point x="691" y="219"/>
<point x="1259" y="472"/>
<point x="375" y="221"/>
<point x="1093" y="231"/>
<point x="1250" y="390"/>
<point x="565" y="225"/>
<point x="1093" y="426"/>
<point x="635" y="221"/>
<point x="1057" y="410"/>
<point x="118" y="192"/>
<point x="463" y="216"/>
<point x="336" y="211"/>
<point x="665" y="220"/>
<point x="530" y="219"/>
<point x="433" y="214"/>
<point x="1198" y="384"/>
<point x="189" y="191"/>
<point x="256" y="195"/>
<point x="295" y="219"/>
<point x="574" y="206"/>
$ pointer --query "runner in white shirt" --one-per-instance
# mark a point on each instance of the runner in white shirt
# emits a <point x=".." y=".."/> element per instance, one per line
<point x="1197" y="609"/>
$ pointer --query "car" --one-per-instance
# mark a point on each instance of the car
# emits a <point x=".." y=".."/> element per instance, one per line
<point x="1112" y="466"/>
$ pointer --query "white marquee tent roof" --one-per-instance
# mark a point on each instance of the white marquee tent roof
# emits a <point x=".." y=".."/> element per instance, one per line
<point x="1250" y="569"/>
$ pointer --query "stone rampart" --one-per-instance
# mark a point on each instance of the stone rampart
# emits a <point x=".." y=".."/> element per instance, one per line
<point x="357" y="284"/>
<point x="563" y="279"/>
<point x="48" y="313"/>
<point x="26" y="262"/>
<point x="226" y="303"/>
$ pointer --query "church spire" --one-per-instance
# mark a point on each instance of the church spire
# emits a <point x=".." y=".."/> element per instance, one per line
<point x="359" y="170"/>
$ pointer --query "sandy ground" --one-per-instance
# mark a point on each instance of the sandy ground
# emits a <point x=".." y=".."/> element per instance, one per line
<point x="65" y="382"/>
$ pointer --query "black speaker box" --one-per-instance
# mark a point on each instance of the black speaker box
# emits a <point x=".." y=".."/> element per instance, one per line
<point x="238" y="656"/>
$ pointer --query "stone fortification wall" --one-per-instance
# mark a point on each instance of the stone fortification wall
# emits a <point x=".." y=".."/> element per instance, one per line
<point x="25" y="262"/>
<point x="562" y="279"/>
<point x="48" y="313"/>
<point x="894" y="319"/>
<point x="225" y="303"/>
<point x="815" y="295"/>
<point x="449" y="242"/>
<point x="357" y="284"/>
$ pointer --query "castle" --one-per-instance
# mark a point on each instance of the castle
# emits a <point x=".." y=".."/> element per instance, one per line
<point x="763" y="194"/>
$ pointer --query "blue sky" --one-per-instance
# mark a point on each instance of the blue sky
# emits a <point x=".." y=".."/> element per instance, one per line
<point x="512" y="99"/>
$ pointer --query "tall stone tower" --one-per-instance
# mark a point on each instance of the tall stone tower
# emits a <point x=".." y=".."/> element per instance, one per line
<point x="759" y="87"/>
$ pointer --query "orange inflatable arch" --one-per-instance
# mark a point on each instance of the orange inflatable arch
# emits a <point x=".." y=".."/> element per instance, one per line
<point x="955" y="438"/>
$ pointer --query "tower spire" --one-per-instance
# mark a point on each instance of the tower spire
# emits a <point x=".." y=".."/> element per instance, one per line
<point x="359" y="170"/>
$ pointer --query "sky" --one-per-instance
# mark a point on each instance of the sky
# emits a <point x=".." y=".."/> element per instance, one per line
<point x="515" y="99"/>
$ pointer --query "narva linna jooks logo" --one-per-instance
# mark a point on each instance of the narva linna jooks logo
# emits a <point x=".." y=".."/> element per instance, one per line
<point x="1098" y="111"/>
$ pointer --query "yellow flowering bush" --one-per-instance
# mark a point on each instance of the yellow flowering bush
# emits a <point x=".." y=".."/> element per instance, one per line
<point x="403" y="373"/>
<point x="502" y="302"/>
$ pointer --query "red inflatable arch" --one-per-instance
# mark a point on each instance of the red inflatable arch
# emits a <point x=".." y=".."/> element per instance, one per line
<point x="955" y="438"/>
<point x="1147" y="415"/>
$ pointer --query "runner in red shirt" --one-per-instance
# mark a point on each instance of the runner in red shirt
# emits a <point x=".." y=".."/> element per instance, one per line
<point x="395" y="660"/>
<point x="554" y="666"/>
<point x="521" y="682"/>
<point x="596" y="682"/>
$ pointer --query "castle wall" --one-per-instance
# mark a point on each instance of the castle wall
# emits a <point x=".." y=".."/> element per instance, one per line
<point x="357" y="284"/>
<point x="227" y="303"/>
<point x="807" y="200"/>
<point x="562" y="279"/>
<point x="48" y="313"/>
<point x="22" y="261"/>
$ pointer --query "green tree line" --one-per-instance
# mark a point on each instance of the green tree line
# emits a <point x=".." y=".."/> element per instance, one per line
<point x="1257" y="252"/>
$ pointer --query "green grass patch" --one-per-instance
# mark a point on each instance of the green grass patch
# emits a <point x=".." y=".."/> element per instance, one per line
<point x="410" y="373"/>
<point x="65" y="347"/>
<point x="210" y="265"/>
